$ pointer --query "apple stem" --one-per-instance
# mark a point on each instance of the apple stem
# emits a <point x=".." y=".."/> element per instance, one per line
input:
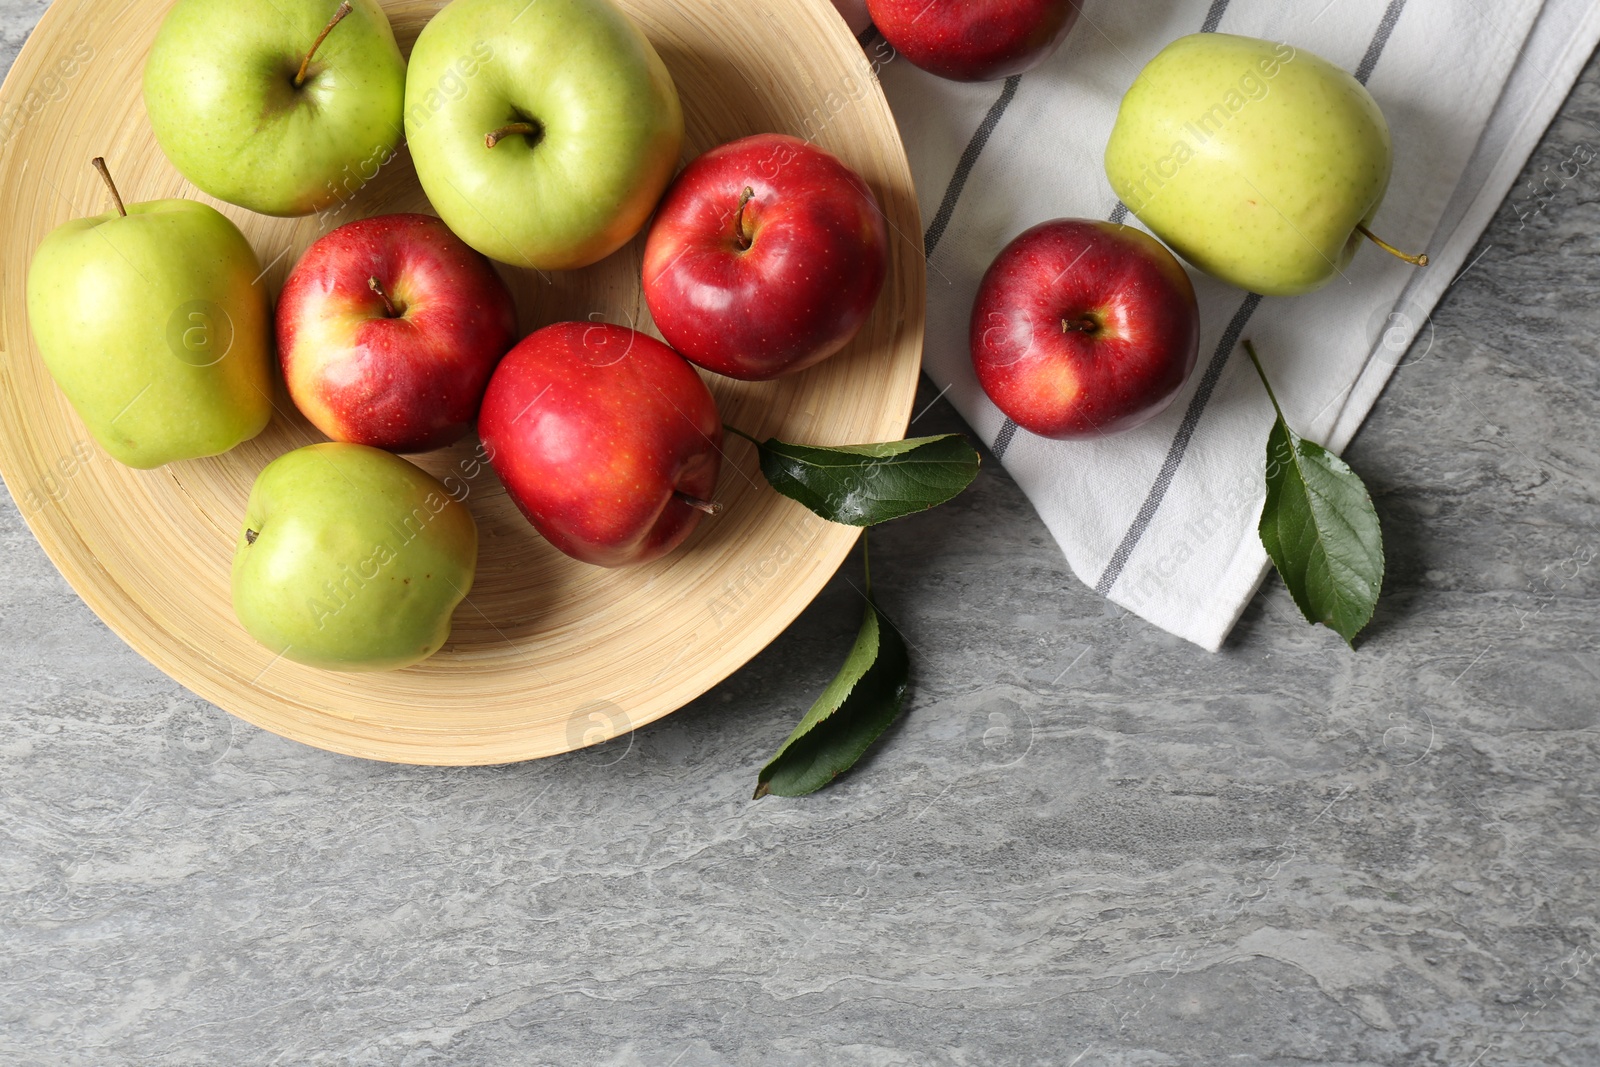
<point x="710" y="507"/>
<point x="1083" y="324"/>
<point x="526" y="129"/>
<point x="105" y="172"/>
<point x="388" y="305"/>
<point x="1416" y="261"/>
<point x="305" y="64"/>
<point x="741" y="238"/>
<point x="250" y="536"/>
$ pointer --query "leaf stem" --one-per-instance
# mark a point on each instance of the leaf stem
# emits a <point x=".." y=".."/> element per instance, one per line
<point x="1250" y="350"/>
<point x="735" y="430"/>
<point x="866" y="564"/>
<point x="305" y="64"/>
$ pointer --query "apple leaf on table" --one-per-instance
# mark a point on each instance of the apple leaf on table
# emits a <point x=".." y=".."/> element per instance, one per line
<point x="1320" y="528"/>
<point x="863" y="485"/>
<point x="857" y="485"/>
<point x="857" y="706"/>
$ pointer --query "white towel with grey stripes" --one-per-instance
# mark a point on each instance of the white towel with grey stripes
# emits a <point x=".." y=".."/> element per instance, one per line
<point x="1162" y="519"/>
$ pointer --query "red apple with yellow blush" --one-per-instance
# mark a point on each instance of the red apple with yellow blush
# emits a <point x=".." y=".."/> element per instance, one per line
<point x="1082" y="328"/>
<point x="388" y="330"/>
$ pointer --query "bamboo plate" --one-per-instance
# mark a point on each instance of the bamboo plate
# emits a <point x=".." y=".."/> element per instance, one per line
<point x="547" y="654"/>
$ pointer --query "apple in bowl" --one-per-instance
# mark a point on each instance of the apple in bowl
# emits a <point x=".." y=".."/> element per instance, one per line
<point x="543" y="131"/>
<point x="351" y="559"/>
<point x="272" y="104"/>
<point x="606" y="439"/>
<point x="1082" y="328"/>
<point x="766" y="256"/>
<point x="154" y="321"/>
<point x="388" y="331"/>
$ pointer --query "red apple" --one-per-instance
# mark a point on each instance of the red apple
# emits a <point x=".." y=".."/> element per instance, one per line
<point x="1083" y="327"/>
<point x="606" y="439"/>
<point x="388" y="330"/>
<point x="765" y="257"/>
<point x="974" y="40"/>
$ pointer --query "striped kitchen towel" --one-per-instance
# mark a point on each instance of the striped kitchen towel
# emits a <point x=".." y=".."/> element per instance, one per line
<point x="1162" y="518"/>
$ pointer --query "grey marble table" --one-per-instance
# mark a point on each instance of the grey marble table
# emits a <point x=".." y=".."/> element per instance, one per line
<point x="1087" y="843"/>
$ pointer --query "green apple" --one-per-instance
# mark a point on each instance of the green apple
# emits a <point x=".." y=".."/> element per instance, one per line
<point x="543" y="131"/>
<point x="279" y="106"/>
<point x="351" y="559"/>
<point x="1259" y="163"/>
<point x="154" y="322"/>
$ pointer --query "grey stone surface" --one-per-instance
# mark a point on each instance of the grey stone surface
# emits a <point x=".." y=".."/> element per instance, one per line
<point x="1087" y="843"/>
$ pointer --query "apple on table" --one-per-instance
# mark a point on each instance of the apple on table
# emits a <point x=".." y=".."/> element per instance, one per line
<point x="1260" y="163"/>
<point x="766" y="256"/>
<point x="388" y="330"/>
<point x="154" y="321"/>
<point x="565" y="132"/>
<point x="605" y="438"/>
<point x="273" y="104"/>
<point x="352" y="559"/>
<point x="1082" y="328"/>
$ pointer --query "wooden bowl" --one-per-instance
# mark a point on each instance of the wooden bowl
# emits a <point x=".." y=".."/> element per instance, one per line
<point x="547" y="654"/>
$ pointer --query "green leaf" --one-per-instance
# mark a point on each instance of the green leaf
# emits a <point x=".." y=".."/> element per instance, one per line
<point x="1320" y="528"/>
<point x="863" y="485"/>
<point x="858" y="705"/>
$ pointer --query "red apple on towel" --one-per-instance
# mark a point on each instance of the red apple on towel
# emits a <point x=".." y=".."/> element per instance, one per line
<point x="766" y="257"/>
<point x="606" y="439"/>
<point x="1083" y="328"/>
<point x="388" y="330"/>
<point x="974" y="40"/>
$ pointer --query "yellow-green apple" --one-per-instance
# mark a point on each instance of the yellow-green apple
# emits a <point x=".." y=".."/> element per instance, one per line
<point x="765" y="257"/>
<point x="1082" y="328"/>
<point x="153" y="320"/>
<point x="1259" y="163"/>
<point x="974" y="40"/>
<point x="351" y="559"/>
<point x="543" y="132"/>
<point x="606" y="439"/>
<point x="276" y="105"/>
<point x="388" y="330"/>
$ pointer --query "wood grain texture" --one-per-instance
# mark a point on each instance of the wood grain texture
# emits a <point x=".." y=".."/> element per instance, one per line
<point x="547" y="654"/>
